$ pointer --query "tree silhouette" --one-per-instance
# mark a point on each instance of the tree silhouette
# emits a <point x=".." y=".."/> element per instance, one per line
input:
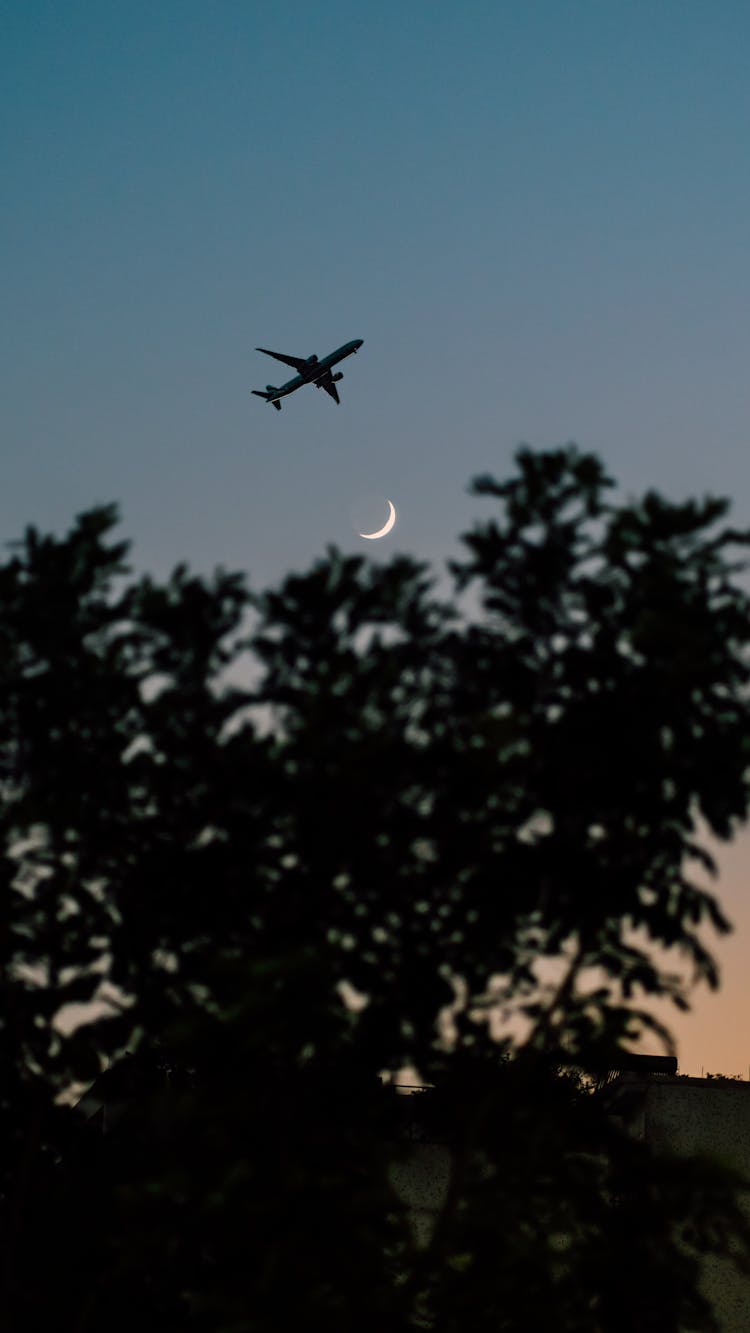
<point x="481" y="814"/>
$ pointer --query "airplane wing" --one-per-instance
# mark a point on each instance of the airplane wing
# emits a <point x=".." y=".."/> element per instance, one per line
<point x="326" y="382"/>
<point x="298" y="362"/>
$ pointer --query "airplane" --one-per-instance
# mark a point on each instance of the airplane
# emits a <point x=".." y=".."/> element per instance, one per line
<point x="309" y="371"/>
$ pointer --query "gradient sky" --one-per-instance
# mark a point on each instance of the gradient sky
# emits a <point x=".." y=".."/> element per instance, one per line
<point x="536" y="215"/>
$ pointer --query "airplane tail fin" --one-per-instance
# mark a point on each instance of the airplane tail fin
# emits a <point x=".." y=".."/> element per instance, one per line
<point x="261" y="393"/>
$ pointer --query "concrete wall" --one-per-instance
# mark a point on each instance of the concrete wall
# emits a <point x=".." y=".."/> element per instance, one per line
<point x="420" y="1179"/>
<point x="687" y="1116"/>
<point x="705" y="1118"/>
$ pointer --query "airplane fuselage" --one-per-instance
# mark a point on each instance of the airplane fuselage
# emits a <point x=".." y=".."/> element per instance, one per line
<point x="314" y="370"/>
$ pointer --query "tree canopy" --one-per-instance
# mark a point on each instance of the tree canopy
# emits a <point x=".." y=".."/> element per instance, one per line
<point x="281" y="844"/>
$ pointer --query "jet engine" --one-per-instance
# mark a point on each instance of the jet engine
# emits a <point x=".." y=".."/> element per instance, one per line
<point x="338" y="376"/>
<point x="312" y="359"/>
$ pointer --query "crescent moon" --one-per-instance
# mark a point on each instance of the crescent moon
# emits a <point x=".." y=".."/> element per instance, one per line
<point x="389" y="522"/>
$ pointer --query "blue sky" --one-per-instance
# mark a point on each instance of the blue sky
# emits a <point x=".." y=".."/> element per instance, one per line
<point x="536" y="215"/>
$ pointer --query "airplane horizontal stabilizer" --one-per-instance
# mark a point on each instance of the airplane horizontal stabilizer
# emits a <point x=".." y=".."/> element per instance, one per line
<point x="261" y="393"/>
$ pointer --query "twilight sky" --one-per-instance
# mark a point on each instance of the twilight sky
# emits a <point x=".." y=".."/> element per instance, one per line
<point x="536" y="215"/>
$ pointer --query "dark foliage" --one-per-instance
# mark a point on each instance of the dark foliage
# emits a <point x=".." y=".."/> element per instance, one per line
<point x="222" y="812"/>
